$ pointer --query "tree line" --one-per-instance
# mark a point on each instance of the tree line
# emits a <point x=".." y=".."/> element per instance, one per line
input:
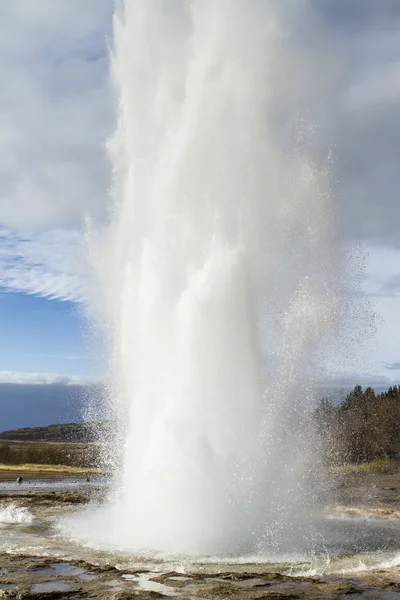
<point x="365" y="426"/>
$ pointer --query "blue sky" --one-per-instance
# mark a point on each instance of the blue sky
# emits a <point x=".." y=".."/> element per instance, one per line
<point x="56" y="111"/>
<point x="42" y="336"/>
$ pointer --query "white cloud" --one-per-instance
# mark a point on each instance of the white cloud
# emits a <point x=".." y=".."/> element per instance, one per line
<point x="55" y="114"/>
<point x="55" y="111"/>
<point x="349" y="380"/>
<point x="368" y="135"/>
<point x="48" y="264"/>
<point x="394" y="366"/>
<point x="42" y="379"/>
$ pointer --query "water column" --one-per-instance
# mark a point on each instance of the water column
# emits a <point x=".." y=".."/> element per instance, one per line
<point x="219" y="273"/>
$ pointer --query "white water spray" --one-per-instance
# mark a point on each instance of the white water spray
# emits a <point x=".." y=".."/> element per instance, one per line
<point x="219" y="273"/>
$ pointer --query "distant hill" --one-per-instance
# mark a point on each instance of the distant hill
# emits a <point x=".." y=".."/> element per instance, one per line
<point x="66" y="432"/>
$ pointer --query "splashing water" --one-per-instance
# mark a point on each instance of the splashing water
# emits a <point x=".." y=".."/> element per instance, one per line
<point x="219" y="274"/>
<point x="11" y="513"/>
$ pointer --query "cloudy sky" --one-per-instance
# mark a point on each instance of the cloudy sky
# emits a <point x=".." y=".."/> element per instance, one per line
<point x="56" y="110"/>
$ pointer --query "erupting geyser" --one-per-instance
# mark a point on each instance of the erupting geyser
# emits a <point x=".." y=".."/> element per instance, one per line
<point x="219" y="273"/>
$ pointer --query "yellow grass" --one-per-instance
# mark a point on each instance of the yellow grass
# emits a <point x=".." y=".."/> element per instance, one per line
<point x="380" y="465"/>
<point x="28" y="467"/>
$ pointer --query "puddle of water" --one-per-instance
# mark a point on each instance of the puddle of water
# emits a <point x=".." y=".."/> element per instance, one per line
<point x="48" y="485"/>
<point x="63" y="568"/>
<point x="144" y="582"/>
<point x="51" y="586"/>
<point x="8" y="586"/>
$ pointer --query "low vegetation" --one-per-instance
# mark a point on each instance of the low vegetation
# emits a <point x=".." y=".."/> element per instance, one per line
<point x="380" y="465"/>
<point x="49" y="453"/>
<point x="72" y="445"/>
<point x="66" y="432"/>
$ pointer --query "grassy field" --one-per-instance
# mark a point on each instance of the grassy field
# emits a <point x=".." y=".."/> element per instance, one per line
<point x="380" y="465"/>
<point x="77" y="455"/>
<point x="35" y="468"/>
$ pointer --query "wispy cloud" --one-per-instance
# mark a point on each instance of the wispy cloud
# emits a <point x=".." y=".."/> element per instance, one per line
<point x="349" y="380"/>
<point x="42" y="379"/>
<point x="46" y="264"/>
<point x="392" y="286"/>
<point x="394" y="366"/>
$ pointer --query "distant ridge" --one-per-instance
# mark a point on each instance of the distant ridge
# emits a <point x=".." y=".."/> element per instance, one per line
<point x="66" y="432"/>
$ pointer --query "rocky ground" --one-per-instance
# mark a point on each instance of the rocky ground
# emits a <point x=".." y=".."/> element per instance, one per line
<point x="29" y="577"/>
<point x="45" y="578"/>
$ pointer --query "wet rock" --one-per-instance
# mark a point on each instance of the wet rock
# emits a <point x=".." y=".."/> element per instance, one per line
<point x="50" y="595"/>
<point x="332" y="589"/>
<point x="223" y="591"/>
<point x="137" y="595"/>
<point x="47" y="498"/>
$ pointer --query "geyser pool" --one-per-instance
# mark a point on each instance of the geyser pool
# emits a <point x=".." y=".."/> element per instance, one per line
<point x="219" y="276"/>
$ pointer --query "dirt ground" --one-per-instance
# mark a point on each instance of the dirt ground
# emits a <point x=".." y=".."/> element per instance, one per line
<point x="29" y="578"/>
<point x="374" y="494"/>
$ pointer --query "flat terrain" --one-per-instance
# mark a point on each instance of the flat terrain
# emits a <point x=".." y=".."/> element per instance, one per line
<point x="373" y="490"/>
<point x="39" y="578"/>
<point x="67" y="432"/>
<point x="33" y="459"/>
<point x="32" y="471"/>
